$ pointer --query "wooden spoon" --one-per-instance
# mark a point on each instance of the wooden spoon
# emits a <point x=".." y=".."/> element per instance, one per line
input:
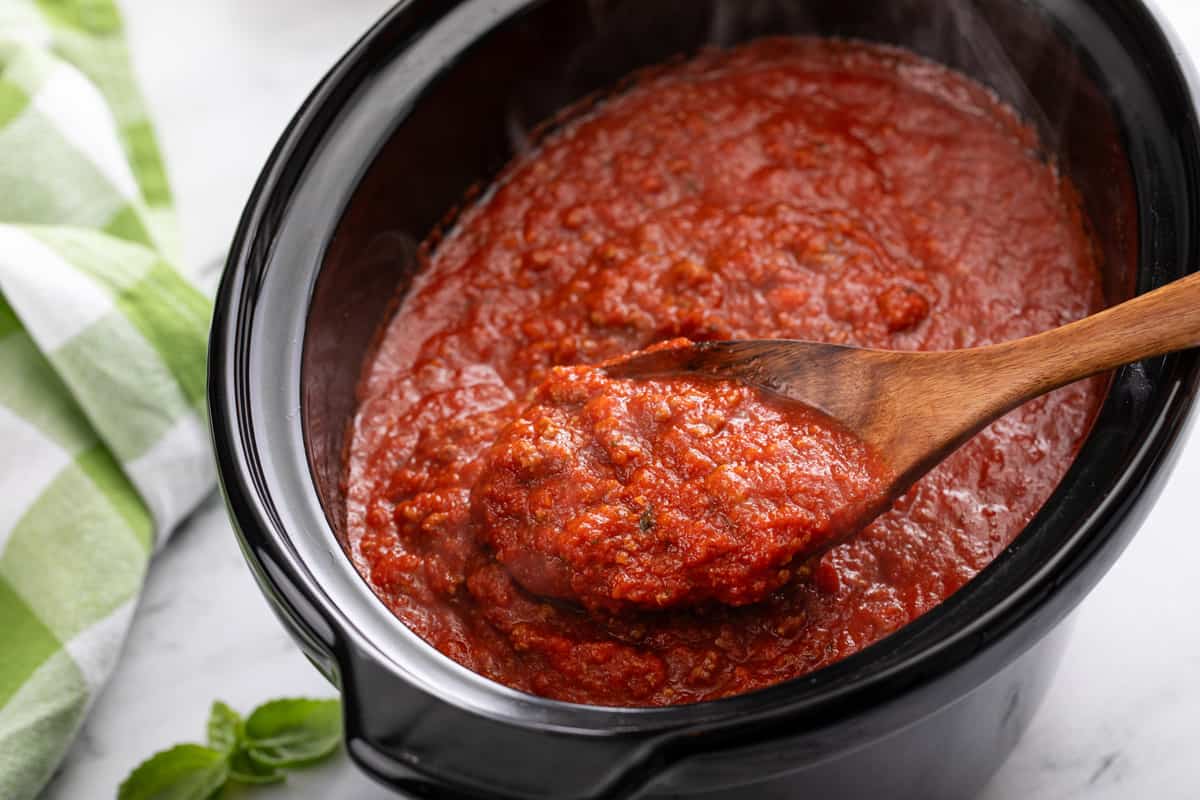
<point x="915" y="408"/>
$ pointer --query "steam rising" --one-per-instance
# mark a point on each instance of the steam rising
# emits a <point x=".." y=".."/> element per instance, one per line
<point x="627" y="35"/>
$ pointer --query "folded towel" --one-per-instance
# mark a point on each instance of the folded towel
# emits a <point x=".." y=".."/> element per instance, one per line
<point x="103" y="445"/>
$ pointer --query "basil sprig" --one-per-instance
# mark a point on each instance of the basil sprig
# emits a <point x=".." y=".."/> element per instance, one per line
<point x="276" y="736"/>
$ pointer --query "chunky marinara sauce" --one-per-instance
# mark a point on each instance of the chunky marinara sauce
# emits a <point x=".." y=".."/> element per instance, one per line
<point x="627" y="495"/>
<point x="643" y="544"/>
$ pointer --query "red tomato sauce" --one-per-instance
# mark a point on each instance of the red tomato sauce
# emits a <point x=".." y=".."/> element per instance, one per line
<point x="797" y="188"/>
<point x="627" y="495"/>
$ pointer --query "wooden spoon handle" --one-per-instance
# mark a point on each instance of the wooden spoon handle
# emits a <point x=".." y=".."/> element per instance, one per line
<point x="1152" y="324"/>
<point x="946" y="397"/>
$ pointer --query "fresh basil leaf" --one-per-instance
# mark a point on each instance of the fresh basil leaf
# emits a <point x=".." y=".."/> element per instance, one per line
<point x="288" y="733"/>
<point x="244" y="769"/>
<point x="185" y="772"/>
<point x="224" y="728"/>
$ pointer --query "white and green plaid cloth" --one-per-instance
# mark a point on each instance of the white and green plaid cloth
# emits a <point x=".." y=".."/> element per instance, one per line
<point x="103" y="446"/>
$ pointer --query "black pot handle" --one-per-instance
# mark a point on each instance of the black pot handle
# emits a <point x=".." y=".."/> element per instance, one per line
<point x="419" y="743"/>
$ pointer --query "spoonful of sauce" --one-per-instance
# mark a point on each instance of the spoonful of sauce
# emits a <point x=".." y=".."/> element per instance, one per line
<point x="699" y="473"/>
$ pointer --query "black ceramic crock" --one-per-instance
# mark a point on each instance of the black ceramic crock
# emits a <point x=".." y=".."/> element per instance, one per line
<point x="437" y="97"/>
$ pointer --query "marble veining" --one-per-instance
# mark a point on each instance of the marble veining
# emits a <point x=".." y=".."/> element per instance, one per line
<point x="222" y="78"/>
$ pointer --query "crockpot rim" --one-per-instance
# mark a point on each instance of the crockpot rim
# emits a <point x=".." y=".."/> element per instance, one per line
<point x="252" y="507"/>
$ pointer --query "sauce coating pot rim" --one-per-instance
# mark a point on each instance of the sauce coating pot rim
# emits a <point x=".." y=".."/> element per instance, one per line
<point x="255" y="380"/>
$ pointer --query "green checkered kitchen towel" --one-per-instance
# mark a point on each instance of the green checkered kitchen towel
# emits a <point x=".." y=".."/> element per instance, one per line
<point x="103" y="446"/>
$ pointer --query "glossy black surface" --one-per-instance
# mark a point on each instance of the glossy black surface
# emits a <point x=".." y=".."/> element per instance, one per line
<point x="437" y="97"/>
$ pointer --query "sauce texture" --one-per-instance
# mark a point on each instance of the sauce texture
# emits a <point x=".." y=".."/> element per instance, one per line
<point x="623" y="495"/>
<point x="798" y="188"/>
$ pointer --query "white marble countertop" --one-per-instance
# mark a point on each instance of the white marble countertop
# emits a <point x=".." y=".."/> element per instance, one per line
<point x="223" y="77"/>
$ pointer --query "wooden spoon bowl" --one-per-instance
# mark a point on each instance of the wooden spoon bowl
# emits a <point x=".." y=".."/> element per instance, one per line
<point x="915" y="408"/>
